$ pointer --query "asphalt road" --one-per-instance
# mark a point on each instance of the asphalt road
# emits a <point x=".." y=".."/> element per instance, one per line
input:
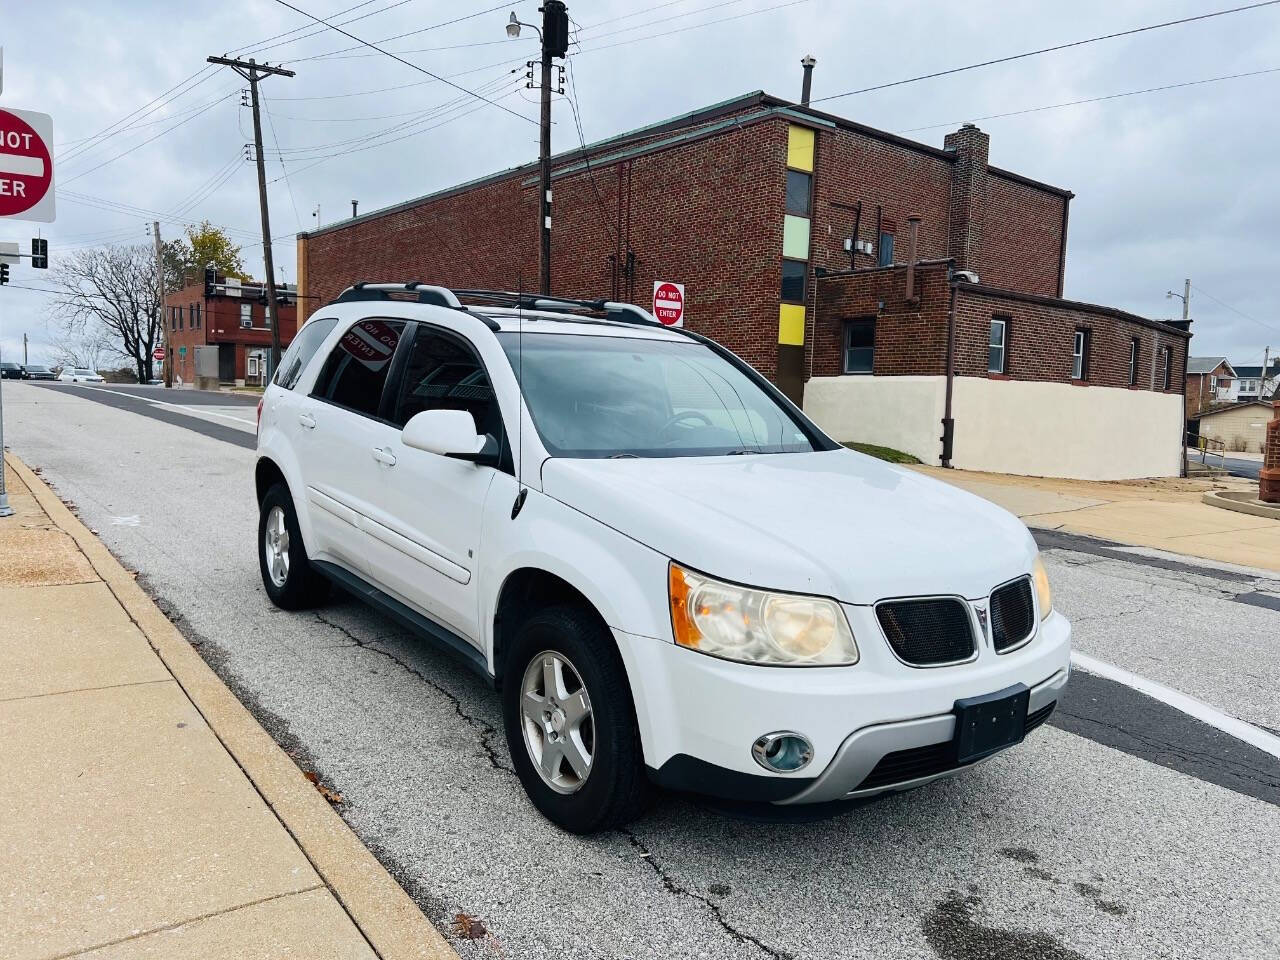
<point x="1252" y="469"/>
<point x="1122" y="829"/>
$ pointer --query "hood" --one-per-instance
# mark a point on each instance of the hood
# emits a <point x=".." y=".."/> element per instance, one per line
<point x="833" y="523"/>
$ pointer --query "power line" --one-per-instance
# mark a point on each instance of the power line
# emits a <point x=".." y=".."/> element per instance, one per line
<point x="403" y="86"/>
<point x="414" y="66"/>
<point x="1239" y="313"/>
<point x="582" y="142"/>
<point x="708" y="23"/>
<point x="316" y="33"/>
<point x="259" y="46"/>
<point x="398" y="36"/>
<point x="1056" y="47"/>
<point x="283" y="169"/>
<point x="1110" y="96"/>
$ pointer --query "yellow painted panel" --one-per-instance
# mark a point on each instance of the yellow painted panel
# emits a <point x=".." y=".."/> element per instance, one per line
<point x="795" y="237"/>
<point x="800" y="148"/>
<point x="791" y="324"/>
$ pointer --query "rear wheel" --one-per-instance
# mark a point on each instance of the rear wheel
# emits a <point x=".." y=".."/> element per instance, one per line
<point x="570" y="723"/>
<point x="288" y="576"/>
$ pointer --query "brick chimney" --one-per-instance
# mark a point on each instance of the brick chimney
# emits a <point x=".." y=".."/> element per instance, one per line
<point x="969" y="180"/>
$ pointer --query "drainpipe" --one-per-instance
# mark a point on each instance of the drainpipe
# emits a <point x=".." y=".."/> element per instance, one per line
<point x="808" y="64"/>
<point x="913" y="233"/>
<point x="948" y="422"/>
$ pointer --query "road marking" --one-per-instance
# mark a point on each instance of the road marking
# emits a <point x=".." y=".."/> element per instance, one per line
<point x="175" y="406"/>
<point x="132" y="521"/>
<point x="1214" y="717"/>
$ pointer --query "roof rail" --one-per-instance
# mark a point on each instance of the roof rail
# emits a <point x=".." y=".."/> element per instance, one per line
<point x="617" y="311"/>
<point x="426" y="293"/>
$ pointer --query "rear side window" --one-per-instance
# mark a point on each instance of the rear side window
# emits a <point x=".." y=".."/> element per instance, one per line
<point x="356" y="371"/>
<point x="303" y="348"/>
<point x="443" y="373"/>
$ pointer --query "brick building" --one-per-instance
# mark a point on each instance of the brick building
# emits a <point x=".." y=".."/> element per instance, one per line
<point x="791" y="229"/>
<point x="227" y="325"/>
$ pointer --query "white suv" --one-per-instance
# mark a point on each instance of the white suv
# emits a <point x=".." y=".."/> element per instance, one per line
<point x="668" y="571"/>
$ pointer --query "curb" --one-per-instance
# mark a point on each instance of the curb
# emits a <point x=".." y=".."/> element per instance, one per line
<point x="376" y="903"/>
<point x="1241" y="502"/>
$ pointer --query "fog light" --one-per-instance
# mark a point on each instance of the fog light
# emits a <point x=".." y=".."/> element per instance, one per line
<point x="782" y="752"/>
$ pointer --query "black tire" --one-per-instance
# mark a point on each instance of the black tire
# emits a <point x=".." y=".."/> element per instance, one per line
<point x="616" y="790"/>
<point x="303" y="586"/>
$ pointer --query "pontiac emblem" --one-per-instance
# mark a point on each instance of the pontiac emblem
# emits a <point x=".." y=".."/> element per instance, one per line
<point x="982" y="619"/>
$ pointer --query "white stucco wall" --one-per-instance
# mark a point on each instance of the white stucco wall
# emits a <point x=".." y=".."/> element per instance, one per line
<point x="900" y="412"/>
<point x="1009" y="426"/>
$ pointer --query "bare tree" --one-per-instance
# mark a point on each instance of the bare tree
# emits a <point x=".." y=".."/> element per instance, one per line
<point x="83" y="345"/>
<point x="111" y="290"/>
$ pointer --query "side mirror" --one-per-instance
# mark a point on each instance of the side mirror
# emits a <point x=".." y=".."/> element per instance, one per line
<point x="450" y="433"/>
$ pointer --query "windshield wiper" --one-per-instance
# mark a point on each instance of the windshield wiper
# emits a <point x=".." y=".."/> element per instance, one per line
<point x="622" y="456"/>
<point x="741" y="453"/>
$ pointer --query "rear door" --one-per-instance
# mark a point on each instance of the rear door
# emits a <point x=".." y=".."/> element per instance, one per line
<point x="337" y="439"/>
<point x="424" y="538"/>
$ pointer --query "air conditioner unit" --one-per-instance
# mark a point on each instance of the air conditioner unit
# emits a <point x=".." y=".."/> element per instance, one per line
<point x="246" y="324"/>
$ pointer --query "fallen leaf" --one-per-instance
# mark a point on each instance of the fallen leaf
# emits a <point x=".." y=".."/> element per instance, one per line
<point x="473" y="928"/>
<point x="333" y="796"/>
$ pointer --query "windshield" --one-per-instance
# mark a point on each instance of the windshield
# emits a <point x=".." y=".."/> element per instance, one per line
<point x="619" y="397"/>
<point x="81" y="371"/>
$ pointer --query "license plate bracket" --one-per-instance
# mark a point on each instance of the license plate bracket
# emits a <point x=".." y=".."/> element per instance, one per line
<point x="990" y="722"/>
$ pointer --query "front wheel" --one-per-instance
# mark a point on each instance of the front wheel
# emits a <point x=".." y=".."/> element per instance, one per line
<point x="570" y="723"/>
<point x="288" y="576"/>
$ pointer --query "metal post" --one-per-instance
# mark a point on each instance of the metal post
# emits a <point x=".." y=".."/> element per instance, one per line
<point x="544" y="162"/>
<point x="1186" y="299"/>
<point x="5" y="509"/>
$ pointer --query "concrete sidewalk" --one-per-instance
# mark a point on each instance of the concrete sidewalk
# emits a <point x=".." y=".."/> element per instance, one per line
<point x="1164" y="514"/>
<point x="145" y="812"/>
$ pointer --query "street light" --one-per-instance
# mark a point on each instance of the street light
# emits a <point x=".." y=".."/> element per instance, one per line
<point x="514" y="25"/>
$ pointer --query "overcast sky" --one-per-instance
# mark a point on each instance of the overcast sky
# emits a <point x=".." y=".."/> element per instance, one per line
<point x="1168" y="184"/>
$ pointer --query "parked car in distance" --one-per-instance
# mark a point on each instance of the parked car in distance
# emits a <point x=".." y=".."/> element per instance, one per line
<point x="35" y="371"/>
<point x="80" y="375"/>
<point x="11" y="371"/>
<point x="671" y="575"/>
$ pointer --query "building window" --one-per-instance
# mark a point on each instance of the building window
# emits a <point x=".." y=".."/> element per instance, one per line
<point x="246" y="314"/>
<point x="252" y="365"/>
<point x="180" y="313"/>
<point x="173" y="318"/>
<point x="195" y="316"/>
<point x="997" y="344"/>
<point x="799" y="192"/>
<point x="859" y="345"/>
<point x="886" y="250"/>
<point x="1080" y="356"/>
<point x="793" y="280"/>
<point x="1168" y="368"/>
<point x="1133" y="362"/>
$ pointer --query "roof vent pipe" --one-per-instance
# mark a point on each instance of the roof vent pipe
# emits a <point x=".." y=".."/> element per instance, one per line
<point x="807" y="63"/>
<point x="913" y="235"/>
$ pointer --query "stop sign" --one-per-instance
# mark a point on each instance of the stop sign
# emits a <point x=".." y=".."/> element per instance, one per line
<point x="157" y="353"/>
<point x="668" y="303"/>
<point x="26" y="165"/>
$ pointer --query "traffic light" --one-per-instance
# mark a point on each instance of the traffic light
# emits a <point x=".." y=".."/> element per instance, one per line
<point x="555" y="28"/>
<point x="210" y="278"/>
<point x="4" y="273"/>
<point x="39" y="253"/>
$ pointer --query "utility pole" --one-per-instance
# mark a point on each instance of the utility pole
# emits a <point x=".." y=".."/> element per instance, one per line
<point x="24" y="350"/>
<point x="253" y="71"/>
<point x="555" y="43"/>
<point x="1262" y="384"/>
<point x="166" y="365"/>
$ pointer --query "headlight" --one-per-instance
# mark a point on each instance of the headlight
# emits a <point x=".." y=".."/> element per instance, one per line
<point x="755" y="626"/>
<point x="1043" y="594"/>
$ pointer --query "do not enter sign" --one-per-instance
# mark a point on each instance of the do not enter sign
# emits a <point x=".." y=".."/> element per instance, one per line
<point x="668" y="303"/>
<point x="157" y="354"/>
<point x="26" y="165"/>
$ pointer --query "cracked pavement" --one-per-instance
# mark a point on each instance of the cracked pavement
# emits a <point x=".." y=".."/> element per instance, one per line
<point x="1063" y="848"/>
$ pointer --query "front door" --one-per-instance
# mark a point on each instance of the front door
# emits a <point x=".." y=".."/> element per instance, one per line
<point x="424" y="539"/>
<point x="227" y="362"/>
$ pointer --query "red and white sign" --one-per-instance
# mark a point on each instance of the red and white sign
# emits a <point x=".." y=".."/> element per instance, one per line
<point x="668" y="303"/>
<point x="26" y="165"/>
<point x="157" y="354"/>
<point x="372" y="342"/>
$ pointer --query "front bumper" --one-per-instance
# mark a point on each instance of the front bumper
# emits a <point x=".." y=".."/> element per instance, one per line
<point x="698" y="715"/>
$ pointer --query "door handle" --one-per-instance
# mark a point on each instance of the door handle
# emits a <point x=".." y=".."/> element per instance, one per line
<point x="307" y="420"/>
<point x="384" y="455"/>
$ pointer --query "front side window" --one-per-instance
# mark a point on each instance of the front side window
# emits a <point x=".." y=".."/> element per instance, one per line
<point x="605" y="396"/>
<point x="793" y="280"/>
<point x="996" y="347"/>
<point x="356" y="371"/>
<point x="859" y="346"/>
<point x="799" y="192"/>
<point x="443" y="373"/>
<point x="303" y="348"/>
<point x="246" y="314"/>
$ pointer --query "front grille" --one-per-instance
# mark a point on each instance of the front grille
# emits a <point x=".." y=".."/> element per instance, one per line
<point x="903" y="766"/>
<point x="1013" y="614"/>
<point x="927" y="633"/>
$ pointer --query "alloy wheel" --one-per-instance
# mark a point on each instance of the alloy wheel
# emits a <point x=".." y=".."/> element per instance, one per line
<point x="275" y="542"/>
<point x="559" y="728"/>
